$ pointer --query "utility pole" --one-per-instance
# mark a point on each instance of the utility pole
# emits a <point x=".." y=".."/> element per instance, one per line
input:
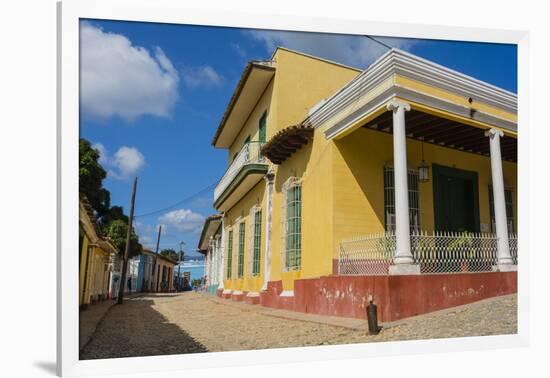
<point x="127" y="249"/>
<point x="158" y="239"/>
<point x="179" y="265"/>
<point x="156" y="283"/>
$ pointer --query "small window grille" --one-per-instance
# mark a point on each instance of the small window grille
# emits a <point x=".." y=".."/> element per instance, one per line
<point x="389" y="199"/>
<point x="509" y="209"/>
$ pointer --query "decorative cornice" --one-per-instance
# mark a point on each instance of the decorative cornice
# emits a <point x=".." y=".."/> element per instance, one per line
<point x="417" y="97"/>
<point x="397" y="62"/>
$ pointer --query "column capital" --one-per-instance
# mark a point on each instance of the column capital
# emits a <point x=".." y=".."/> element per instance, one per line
<point x="494" y="132"/>
<point x="269" y="177"/>
<point x="395" y="104"/>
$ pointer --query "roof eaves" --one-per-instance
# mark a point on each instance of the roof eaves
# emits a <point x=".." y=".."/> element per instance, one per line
<point x="260" y="64"/>
<point x="205" y="226"/>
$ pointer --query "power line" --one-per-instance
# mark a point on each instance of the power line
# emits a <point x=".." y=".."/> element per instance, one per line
<point x="379" y="42"/>
<point x="187" y="199"/>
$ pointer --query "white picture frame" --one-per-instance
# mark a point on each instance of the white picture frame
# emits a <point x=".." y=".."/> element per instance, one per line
<point x="167" y="11"/>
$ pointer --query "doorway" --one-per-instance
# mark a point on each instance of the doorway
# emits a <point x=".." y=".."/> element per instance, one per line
<point x="456" y="199"/>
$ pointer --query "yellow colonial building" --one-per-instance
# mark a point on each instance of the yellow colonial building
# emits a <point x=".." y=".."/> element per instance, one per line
<point x="343" y="184"/>
<point x="96" y="254"/>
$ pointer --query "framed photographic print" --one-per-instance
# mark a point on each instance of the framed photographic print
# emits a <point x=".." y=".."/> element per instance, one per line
<point x="280" y="189"/>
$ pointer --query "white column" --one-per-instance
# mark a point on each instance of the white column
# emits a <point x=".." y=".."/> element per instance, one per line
<point x="403" y="260"/>
<point x="504" y="262"/>
<point x="270" y="180"/>
<point x="222" y="254"/>
<point x="217" y="260"/>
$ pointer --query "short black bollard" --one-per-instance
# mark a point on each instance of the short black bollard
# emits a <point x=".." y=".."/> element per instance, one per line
<point x="372" y="317"/>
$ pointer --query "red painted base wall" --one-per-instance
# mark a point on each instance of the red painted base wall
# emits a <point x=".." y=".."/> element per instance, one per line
<point x="397" y="297"/>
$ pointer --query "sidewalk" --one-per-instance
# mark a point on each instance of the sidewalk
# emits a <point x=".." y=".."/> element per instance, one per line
<point x="90" y="318"/>
<point x="350" y="323"/>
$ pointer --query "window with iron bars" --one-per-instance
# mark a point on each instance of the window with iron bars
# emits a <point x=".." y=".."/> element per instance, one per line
<point x="292" y="252"/>
<point x="509" y="209"/>
<point x="389" y="199"/>
<point x="240" y="262"/>
<point x="229" y="253"/>
<point x="255" y="239"/>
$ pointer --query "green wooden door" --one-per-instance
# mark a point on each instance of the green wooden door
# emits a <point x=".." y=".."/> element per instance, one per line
<point x="456" y="204"/>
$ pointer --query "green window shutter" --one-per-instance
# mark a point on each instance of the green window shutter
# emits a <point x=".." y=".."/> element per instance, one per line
<point x="240" y="262"/>
<point x="262" y="128"/>
<point x="294" y="228"/>
<point x="257" y="242"/>
<point x="229" y="253"/>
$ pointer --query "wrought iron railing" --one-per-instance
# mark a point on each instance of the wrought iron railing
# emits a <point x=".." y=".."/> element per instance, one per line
<point x="454" y="252"/>
<point x="249" y="154"/>
<point x="435" y="252"/>
<point x="369" y="255"/>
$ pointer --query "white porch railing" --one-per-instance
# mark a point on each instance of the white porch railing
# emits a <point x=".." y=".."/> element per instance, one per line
<point x="435" y="252"/>
<point x="249" y="154"/>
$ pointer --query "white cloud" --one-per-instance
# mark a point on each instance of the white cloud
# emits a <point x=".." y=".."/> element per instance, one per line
<point x="356" y="51"/>
<point x="119" y="79"/>
<point x="183" y="220"/>
<point x="103" y="157"/>
<point x="202" y="77"/>
<point x="126" y="162"/>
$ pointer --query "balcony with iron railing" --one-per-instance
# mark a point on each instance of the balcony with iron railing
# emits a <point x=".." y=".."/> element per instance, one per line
<point x="245" y="171"/>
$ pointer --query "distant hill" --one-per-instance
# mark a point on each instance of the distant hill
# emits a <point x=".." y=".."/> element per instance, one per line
<point x="194" y="256"/>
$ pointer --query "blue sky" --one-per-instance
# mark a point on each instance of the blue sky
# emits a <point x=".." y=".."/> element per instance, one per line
<point x="152" y="96"/>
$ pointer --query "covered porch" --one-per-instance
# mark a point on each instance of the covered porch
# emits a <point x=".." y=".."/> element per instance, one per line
<point x="449" y="195"/>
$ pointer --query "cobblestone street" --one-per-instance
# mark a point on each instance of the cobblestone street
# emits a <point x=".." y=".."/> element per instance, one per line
<point x="191" y="323"/>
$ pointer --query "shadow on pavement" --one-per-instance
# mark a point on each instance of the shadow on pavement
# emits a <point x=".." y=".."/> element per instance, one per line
<point x="136" y="329"/>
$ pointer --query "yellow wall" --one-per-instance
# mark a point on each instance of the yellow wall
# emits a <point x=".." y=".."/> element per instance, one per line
<point x="251" y="126"/>
<point x="95" y="272"/>
<point x="84" y="299"/>
<point x="238" y="213"/>
<point x="342" y="180"/>
<point x="300" y="82"/>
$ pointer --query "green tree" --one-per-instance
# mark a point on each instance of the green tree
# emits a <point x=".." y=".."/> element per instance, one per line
<point x="171" y="253"/>
<point x="116" y="231"/>
<point x="114" y="213"/>
<point x="91" y="175"/>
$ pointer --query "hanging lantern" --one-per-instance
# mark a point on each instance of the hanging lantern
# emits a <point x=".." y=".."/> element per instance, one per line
<point x="423" y="172"/>
<point x="423" y="169"/>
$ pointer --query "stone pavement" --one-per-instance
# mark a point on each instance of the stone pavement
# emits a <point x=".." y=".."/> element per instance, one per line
<point x="190" y="322"/>
<point x="89" y="319"/>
